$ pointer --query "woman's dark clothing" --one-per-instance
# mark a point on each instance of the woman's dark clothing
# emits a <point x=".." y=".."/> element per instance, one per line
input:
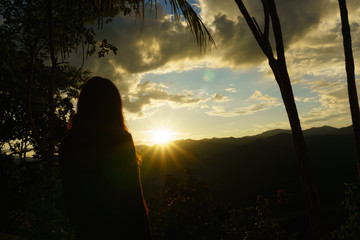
<point x="102" y="191"/>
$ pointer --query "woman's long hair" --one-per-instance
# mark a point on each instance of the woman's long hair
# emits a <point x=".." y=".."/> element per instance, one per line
<point x="97" y="139"/>
<point x="99" y="106"/>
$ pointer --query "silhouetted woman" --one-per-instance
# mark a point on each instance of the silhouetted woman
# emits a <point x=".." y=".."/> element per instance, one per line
<point x="99" y="167"/>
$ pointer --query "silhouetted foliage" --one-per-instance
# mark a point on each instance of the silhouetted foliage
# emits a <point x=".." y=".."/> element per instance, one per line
<point x="36" y="101"/>
<point x="272" y="218"/>
<point x="186" y="210"/>
<point x="14" y="128"/>
<point x="24" y="204"/>
<point x="350" y="229"/>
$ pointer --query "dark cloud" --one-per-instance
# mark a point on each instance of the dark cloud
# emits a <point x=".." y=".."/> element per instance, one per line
<point x="235" y="40"/>
<point x="148" y="46"/>
<point x="298" y="17"/>
<point x="160" y="42"/>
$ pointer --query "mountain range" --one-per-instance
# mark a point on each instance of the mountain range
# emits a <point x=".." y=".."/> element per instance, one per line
<point x="239" y="169"/>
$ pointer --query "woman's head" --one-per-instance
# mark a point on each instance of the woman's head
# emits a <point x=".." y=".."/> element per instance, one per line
<point x="100" y="105"/>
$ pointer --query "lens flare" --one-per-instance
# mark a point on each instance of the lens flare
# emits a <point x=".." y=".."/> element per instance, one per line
<point x="209" y="75"/>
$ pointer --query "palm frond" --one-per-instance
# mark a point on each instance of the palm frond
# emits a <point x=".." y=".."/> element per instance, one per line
<point x="179" y="8"/>
<point x="197" y="27"/>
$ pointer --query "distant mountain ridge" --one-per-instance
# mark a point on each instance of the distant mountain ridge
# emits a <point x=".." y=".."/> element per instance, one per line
<point x="324" y="130"/>
<point x="237" y="169"/>
<point x="207" y="146"/>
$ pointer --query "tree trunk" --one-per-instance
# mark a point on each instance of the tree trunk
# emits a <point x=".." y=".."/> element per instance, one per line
<point x="279" y="69"/>
<point x="39" y="140"/>
<point x="350" y="72"/>
<point x="306" y="175"/>
<point x="49" y="158"/>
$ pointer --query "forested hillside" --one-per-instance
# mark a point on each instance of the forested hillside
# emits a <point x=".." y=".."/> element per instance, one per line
<point x="238" y="169"/>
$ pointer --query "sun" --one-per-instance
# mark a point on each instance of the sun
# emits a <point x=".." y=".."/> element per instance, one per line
<point x="162" y="136"/>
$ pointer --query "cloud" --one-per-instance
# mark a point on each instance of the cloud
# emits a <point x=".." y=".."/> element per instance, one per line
<point x="309" y="28"/>
<point x="159" y="45"/>
<point x="313" y="41"/>
<point x="296" y="17"/>
<point x="203" y="106"/>
<point x="306" y="99"/>
<point x="311" y="32"/>
<point x="236" y="44"/>
<point x="230" y="90"/>
<point x="257" y="95"/>
<point x="309" y="99"/>
<point x="217" y="97"/>
<point x="262" y="103"/>
<point x="148" y="46"/>
<point x="334" y="104"/>
<point x="151" y="93"/>
<point x="312" y="37"/>
<point x="162" y="45"/>
<point x="320" y="51"/>
<point x="154" y="46"/>
<point x="221" y="112"/>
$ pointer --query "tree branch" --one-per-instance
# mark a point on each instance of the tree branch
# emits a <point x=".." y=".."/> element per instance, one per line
<point x="280" y="52"/>
<point x="30" y="119"/>
<point x="266" y="20"/>
<point x="51" y="113"/>
<point x="262" y="42"/>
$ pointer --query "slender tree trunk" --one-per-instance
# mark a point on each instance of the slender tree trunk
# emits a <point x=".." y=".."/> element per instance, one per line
<point x="350" y="71"/>
<point x="279" y="69"/>
<point x="306" y="175"/>
<point x="39" y="140"/>
<point x="29" y="112"/>
<point x="49" y="157"/>
<point x="49" y="160"/>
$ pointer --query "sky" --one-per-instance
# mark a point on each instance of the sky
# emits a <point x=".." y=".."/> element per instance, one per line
<point x="167" y="83"/>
